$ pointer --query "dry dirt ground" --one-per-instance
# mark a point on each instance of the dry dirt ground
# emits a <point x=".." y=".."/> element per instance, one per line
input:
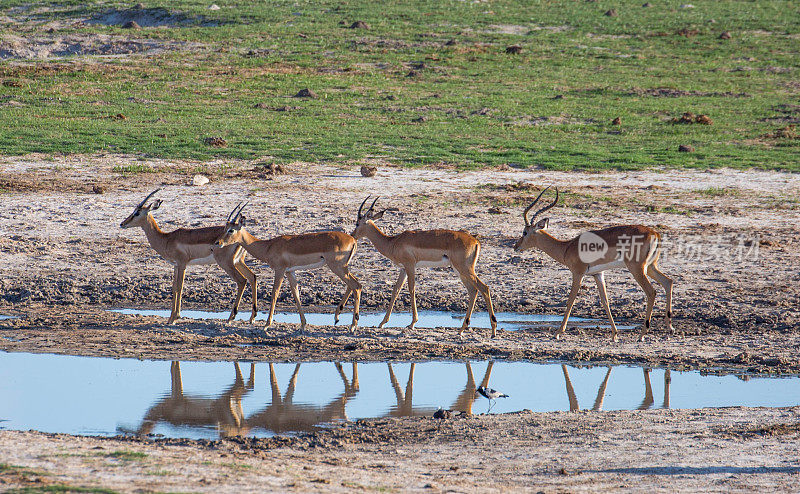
<point x="731" y="246"/>
<point x="712" y="450"/>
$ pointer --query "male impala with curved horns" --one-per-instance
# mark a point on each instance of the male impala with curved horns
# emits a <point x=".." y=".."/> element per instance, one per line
<point x="186" y="246"/>
<point x="289" y="253"/>
<point x="632" y="247"/>
<point x="432" y="248"/>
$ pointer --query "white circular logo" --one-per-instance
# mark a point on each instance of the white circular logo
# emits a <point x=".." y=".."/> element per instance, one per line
<point x="591" y="247"/>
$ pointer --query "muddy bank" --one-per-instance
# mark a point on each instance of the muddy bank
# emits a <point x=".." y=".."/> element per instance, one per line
<point x="736" y="449"/>
<point x="65" y="261"/>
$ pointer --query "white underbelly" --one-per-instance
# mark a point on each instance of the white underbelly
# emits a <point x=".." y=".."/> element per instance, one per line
<point x="307" y="266"/>
<point x="203" y="260"/>
<point x="434" y="264"/>
<point x="599" y="268"/>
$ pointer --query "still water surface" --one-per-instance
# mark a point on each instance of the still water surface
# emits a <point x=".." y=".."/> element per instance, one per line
<point x="103" y="396"/>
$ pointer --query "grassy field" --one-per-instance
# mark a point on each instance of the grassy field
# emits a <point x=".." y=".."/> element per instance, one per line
<point x="426" y="83"/>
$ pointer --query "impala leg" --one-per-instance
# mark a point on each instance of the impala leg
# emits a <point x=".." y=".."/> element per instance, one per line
<point x="341" y="305"/>
<point x="352" y="286"/>
<point x="472" y="293"/>
<point x="601" y="289"/>
<point x="637" y="270"/>
<point x="296" y="296"/>
<point x="487" y="298"/>
<point x="276" y="288"/>
<point x="245" y="271"/>
<point x="666" y="282"/>
<point x="413" y="293"/>
<point x="573" y="293"/>
<point x="228" y="264"/>
<point x="177" y="292"/>
<point x="401" y="278"/>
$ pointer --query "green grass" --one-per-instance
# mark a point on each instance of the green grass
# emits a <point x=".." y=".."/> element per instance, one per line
<point x="127" y="455"/>
<point x="59" y="488"/>
<point x="480" y="105"/>
<point x="717" y="191"/>
<point x="132" y="169"/>
<point x="6" y="467"/>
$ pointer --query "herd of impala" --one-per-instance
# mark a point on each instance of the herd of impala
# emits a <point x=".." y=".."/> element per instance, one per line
<point x="632" y="247"/>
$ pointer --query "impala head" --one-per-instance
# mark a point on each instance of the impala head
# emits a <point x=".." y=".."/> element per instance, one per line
<point x="233" y="227"/>
<point x="366" y="217"/>
<point x="534" y="228"/>
<point x="139" y="215"/>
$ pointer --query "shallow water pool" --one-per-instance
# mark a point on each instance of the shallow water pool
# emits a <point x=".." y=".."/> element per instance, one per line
<point x="103" y="396"/>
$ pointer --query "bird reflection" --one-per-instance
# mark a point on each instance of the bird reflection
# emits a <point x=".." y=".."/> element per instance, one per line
<point x="464" y="401"/>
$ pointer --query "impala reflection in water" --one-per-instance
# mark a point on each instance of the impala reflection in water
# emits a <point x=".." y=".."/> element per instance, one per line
<point x="103" y="396"/>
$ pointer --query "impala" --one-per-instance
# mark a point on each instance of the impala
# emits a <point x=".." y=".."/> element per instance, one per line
<point x="432" y="248"/>
<point x="188" y="246"/>
<point x="632" y="247"/>
<point x="289" y="253"/>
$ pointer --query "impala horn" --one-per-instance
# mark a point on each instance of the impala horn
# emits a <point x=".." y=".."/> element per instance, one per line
<point x="537" y="213"/>
<point x="141" y="204"/>
<point x="362" y="206"/>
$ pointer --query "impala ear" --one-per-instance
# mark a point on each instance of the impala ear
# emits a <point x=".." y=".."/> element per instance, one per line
<point x="377" y="216"/>
<point x="242" y="220"/>
<point x="156" y="204"/>
<point x="542" y="224"/>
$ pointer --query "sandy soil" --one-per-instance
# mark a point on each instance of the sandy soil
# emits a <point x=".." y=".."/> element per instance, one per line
<point x="65" y="261"/>
<point x="713" y="450"/>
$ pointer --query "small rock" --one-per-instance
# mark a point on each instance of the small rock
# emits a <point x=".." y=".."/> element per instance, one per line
<point x="514" y="49"/>
<point x="368" y="171"/>
<point x="704" y="119"/>
<point x="131" y="25"/>
<point x="98" y="189"/>
<point x="611" y="13"/>
<point x="138" y="6"/>
<point x="725" y="35"/>
<point x="558" y="96"/>
<point x="271" y="168"/>
<point x="685" y="148"/>
<point x="450" y="42"/>
<point x="217" y="142"/>
<point x="305" y="93"/>
<point x="686" y="6"/>
<point x="617" y="121"/>
<point x="647" y="5"/>
<point x="199" y="180"/>
<point x="359" y="25"/>
<point x="442" y="414"/>
<point x="213" y="6"/>
<point x="420" y="119"/>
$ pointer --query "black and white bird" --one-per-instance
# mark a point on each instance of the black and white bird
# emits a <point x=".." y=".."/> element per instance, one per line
<point x="491" y="394"/>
